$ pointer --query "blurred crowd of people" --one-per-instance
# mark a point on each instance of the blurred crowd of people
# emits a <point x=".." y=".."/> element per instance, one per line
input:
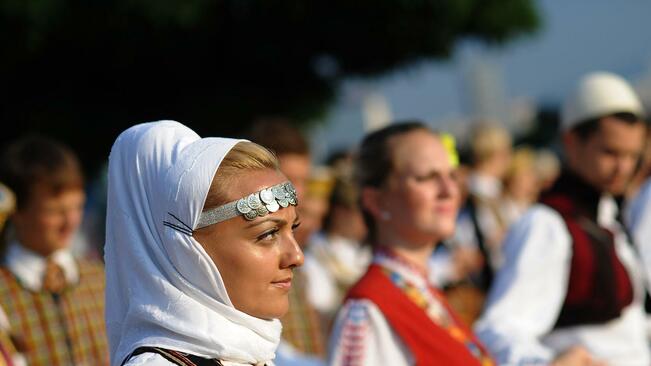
<point x="414" y="254"/>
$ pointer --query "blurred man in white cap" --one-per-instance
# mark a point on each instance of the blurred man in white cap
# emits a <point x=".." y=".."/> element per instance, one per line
<point x="570" y="291"/>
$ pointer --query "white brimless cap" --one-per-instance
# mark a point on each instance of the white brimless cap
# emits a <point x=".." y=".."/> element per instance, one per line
<point x="599" y="94"/>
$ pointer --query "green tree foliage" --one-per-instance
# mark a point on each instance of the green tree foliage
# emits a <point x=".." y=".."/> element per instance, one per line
<point x="85" y="69"/>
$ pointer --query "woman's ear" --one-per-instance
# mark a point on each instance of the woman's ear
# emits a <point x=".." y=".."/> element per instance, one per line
<point x="371" y="202"/>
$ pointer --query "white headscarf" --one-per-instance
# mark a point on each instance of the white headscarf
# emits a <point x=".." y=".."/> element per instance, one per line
<point x="162" y="288"/>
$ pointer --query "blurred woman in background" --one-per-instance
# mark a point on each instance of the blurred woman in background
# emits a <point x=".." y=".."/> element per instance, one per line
<point x="521" y="185"/>
<point x="409" y="199"/>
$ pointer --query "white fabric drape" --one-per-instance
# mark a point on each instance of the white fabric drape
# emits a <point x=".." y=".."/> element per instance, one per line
<point x="162" y="288"/>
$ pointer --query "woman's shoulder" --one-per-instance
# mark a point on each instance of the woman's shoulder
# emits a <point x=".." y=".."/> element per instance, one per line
<point x="359" y="315"/>
<point x="361" y="332"/>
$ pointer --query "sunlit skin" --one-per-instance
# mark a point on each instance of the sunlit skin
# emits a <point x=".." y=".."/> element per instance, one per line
<point x="607" y="158"/>
<point x="297" y="169"/>
<point x="48" y="220"/>
<point x="312" y="211"/>
<point x="417" y="206"/>
<point x="255" y="258"/>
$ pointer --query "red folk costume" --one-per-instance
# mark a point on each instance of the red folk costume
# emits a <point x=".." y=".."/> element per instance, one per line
<point x="417" y="315"/>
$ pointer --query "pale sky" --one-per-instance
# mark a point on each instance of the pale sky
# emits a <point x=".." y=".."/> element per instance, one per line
<point x="577" y="37"/>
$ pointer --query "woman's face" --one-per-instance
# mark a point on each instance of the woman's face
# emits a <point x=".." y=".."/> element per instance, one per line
<point x="255" y="258"/>
<point x="420" y="198"/>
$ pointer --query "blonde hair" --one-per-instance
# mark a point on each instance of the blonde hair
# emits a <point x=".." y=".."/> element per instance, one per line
<point x="320" y="183"/>
<point x="548" y="166"/>
<point x="244" y="156"/>
<point x="488" y="139"/>
<point x="524" y="159"/>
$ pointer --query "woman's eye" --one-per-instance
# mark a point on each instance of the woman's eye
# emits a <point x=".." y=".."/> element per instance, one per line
<point x="427" y="177"/>
<point x="268" y="235"/>
<point x="423" y="178"/>
<point x="295" y="226"/>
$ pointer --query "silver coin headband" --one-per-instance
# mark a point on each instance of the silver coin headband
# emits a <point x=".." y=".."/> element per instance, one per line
<point x="256" y="204"/>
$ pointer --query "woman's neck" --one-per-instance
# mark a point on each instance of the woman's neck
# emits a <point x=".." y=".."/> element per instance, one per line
<point x="416" y="252"/>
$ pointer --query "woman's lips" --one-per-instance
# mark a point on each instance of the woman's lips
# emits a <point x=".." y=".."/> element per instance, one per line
<point x="285" y="283"/>
<point x="446" y="210"/>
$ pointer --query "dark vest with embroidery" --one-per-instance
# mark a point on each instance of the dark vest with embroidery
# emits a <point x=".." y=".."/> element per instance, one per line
<point x="175" y="357"/>
<point x="599" y="286"/>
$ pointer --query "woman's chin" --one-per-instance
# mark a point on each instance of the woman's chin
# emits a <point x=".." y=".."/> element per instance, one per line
<point x="271" y="311"/>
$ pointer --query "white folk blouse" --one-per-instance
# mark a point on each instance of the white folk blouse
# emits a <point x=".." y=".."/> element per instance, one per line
<point x="530" y="288"/>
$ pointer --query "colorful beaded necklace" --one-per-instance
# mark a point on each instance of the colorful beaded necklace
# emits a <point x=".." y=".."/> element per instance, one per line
<point x="411" y="280"/>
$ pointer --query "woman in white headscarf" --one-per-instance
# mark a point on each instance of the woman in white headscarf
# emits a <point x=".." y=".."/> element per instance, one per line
<point x="199" y="249"/>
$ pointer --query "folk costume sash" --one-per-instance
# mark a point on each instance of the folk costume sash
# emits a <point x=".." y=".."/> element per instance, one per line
<point x="599" y="286"/>
<point x="429" y="343"/>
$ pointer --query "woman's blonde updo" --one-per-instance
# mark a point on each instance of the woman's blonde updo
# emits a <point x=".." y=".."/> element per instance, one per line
<point x="244" y="156"/>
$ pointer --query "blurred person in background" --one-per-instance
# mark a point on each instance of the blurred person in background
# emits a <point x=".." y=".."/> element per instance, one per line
<point x="452" y="263"/>
<point x="319" y="292"/>
<point x="481" y="225"/>
<point x="316" y="197"/>
<point x="302" y="337"/>
<point x="7" y="205"/>
<point x="200" y="274"/>
<point x="570" y="291"/>
<point x="289" y="145"/>
<point x="9" y="356"/>
<point x="643" y="171"/>
<point x="521" y="185"/>
<point x="54" y="301"/>
<point x="409" y="199"/>
<point x="336" y="253"/>
<point x="548" y="168"/>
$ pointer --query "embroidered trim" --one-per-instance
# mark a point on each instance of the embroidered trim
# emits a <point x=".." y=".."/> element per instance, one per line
<point x="176" y="357"/>
<point x="353" y="336"/>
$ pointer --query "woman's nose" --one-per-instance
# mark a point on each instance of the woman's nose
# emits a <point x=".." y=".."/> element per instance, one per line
<point x="292" y="255"/>
<point x="448" y="187"/>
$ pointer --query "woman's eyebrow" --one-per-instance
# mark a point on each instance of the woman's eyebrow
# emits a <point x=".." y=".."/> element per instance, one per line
<point x="428" y="173"/>
<point x="272" y="219"/>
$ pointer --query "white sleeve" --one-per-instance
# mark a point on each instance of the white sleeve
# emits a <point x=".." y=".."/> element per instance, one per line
<point x="148" y="359"/>
<point x="321" y="290"/>
<point x="363" y="337"/>
<point x="464" y="233"/>
<point x="286" y="355"/>
<point x="638" y="220"/>
<point x="529" y="289"/>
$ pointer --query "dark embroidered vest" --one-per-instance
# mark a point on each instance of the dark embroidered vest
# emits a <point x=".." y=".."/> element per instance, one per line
<point x="175" y="357"/>
<point x="599" y="287"/>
